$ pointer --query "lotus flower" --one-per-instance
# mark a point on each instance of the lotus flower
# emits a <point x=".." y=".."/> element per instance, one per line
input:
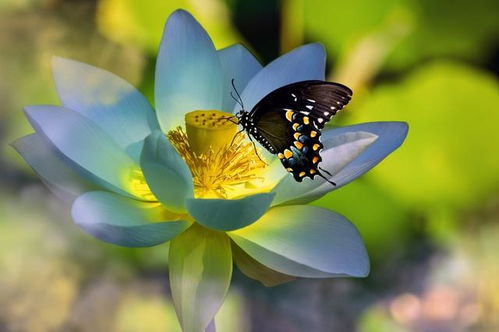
<point x="138" y="176"/>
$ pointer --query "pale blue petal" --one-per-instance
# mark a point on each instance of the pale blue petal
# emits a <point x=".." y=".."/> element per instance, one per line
<point x="229" y="214"/>
<point x="65" y="179"/>
<point x="166" y="172"/>
<point x="307" y="62"/>
<point x="390" y="136"/>
<point x="80" y="140"/>
<point x="339" y="151"/>
<point x="239" y="64"/>
<point x="200" y="264"/>
<point x="123" y="221"/>
<point x="118" y="108"/>
<point x="305" y="241"/>
<point x="188" y="71"/>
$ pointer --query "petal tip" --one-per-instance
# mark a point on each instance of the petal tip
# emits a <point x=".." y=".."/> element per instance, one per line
<point x="180" y="16"/>
<point x="61" y="64"/>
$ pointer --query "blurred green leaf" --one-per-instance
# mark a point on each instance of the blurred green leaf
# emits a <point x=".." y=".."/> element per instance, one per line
<point x="429" y="28"/>
<point x="459" y="28"/>
<point x="450" y="155"/>
<point x="340" y="24"/>
<point x="141" y="22"/>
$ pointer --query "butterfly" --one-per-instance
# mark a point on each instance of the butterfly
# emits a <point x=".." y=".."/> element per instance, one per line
<point x="288" y="123"/>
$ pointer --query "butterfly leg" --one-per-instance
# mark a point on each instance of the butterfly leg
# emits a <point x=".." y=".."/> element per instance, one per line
<point x="256" y="151"/>
<point x="325" y="178"/>
<point x="322" y="169"/>
<point x="233" y="138"/>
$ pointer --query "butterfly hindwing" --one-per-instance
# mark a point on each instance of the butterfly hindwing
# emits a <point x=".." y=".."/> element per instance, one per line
<point x="288" y="122"/>
<point x="295" y="140"/>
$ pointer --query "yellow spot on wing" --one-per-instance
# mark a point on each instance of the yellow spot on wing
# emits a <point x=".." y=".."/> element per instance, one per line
<point x="316" y="147"/>
<point x="315" y="160"/>
<point x="280" y="155"/>
<point x="289" y="169"/>
<point x="306" y="120"/>
<point x="302" y="174"/>
<point x="313" y="171"/>
<point x="299" y="145"/>
<point x="289" y="115"/>
<point x="313" y="133"/>
<point x="295" y="126"/>
<point x="296" y="135"/>
<point x="288" y="154"/>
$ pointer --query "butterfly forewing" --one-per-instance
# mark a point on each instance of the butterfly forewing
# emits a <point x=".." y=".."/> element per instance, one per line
<point x="288" y="122"/>
<point x="318" y="100"/>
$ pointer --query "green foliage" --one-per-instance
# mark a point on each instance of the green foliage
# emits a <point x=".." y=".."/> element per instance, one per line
<point x="450" y="156"/>
<point x="141" y="22"/>
<point x="416" y="29"/>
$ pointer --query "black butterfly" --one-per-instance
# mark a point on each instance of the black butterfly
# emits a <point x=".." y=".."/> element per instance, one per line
<point x="288" y="122"/>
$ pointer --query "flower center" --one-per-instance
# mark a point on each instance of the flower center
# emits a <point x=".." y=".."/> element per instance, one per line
<point x="222" y="162"/>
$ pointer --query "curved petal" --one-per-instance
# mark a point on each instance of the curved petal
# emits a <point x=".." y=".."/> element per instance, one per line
<point x="307" y="62"/>
<point x="339" y="151"/>
<point x="80" y="140"/>
<point x="200" y="263"/>
<point x="305" y="241"/>
<point x="229" y="214"/>
<point x="390" y="137"/>
<point x="256" y="270"/>
<point x="123" y="221"/>
<point x="62" y="177"/>
<point x="240" y="65"/>
<point x="113" y="104"/>
<point x="188" y="71"/>
<point x="166" y="172"/>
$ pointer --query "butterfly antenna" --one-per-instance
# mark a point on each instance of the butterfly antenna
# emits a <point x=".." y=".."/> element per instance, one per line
<point x="237" y="93"/>
<point x="236" y="100"/>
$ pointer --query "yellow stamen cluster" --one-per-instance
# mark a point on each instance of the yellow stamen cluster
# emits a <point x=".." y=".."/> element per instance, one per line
<point x="222" y="164"/>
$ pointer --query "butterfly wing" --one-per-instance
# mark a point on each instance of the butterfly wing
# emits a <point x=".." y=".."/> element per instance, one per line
<point x="288" y="122"/>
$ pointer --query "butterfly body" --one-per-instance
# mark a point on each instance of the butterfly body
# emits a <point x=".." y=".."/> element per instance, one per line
<point x="288" y="122"/>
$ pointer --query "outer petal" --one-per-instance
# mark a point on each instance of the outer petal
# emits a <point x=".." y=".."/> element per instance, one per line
<point x="303" y="63"/>
<point x="188" y="71"/>
<point x="166" y="172"/>
<point x="123" y="221"/>
<point x="61" y="176"/>
<point x="200" y="271"/>
<point x="106" y="99"/>
<point x="305" y="241"/>
<point x="229" y="214"/>
<point x="390" y="137"/>
<point x="339" y="151"/>
<point x="256" y="270"/>
<point x="239" y="64"/>
<point x="83" y="142"/>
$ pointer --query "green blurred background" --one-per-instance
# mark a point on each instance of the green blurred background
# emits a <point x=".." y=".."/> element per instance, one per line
<point x="429" y="214"/>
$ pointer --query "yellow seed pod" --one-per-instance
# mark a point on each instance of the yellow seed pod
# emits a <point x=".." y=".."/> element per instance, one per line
<point x="209" y="128"/>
